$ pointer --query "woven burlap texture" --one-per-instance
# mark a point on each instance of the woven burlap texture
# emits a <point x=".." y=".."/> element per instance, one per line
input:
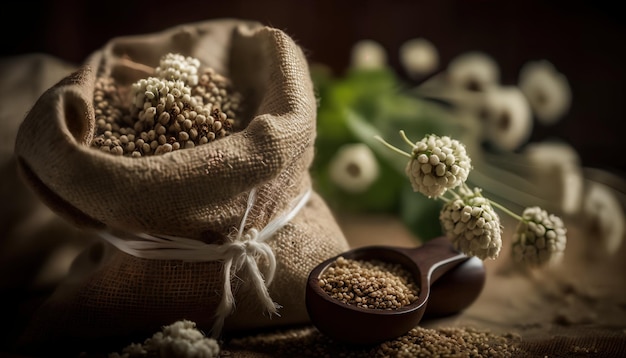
<point x="197" y="193"/>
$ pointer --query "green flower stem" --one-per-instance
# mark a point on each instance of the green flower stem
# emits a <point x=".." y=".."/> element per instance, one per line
<point x="497" y="205"/>
<point x="406" y="139"/>
<point x="379" y="138"/>
<point x="509" y="212"/>
<point x="455" y="194"/>
<point x="444" y="199"/>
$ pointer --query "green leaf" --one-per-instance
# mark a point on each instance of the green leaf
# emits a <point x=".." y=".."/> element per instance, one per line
<point x="382" y="195"/>
<point x="420" y="214"/>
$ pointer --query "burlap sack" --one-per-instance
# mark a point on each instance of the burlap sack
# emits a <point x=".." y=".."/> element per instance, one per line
<point x="198" y="193"/>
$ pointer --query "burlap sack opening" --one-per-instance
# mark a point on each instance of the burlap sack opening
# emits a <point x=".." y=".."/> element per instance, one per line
<point x="197" y="193"/>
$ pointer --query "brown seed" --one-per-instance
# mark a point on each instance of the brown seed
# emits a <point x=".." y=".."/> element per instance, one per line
<point x="198" y="119"/>
<point x="377" y="284"/>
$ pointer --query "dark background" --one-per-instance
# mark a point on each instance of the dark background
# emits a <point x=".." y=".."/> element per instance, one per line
<point x="583" y="39"/>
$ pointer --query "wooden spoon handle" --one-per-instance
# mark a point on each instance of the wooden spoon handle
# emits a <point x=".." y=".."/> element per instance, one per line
<point x="434" y="258"/>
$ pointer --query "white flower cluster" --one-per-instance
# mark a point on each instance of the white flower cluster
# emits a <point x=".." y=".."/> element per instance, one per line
<point x="176" y="67"/>
<point x="179" y="340"/>
<point x="472" y="224"/>
<point x="540" y="237"/>
<point x="437" y="164"/>
<point x="180" y="108"/>
<point x="148" y="93"/>
<point x="176" y="86"/>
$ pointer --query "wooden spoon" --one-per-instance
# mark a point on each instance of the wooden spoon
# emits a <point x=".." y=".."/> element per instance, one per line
<point x="344" y="322"/>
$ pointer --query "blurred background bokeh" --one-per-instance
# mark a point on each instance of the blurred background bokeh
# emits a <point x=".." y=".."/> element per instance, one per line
<point x="583" y="39"/>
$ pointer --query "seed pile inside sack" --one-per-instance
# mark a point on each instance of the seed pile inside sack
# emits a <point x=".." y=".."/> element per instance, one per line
<point x="181" y="106"/>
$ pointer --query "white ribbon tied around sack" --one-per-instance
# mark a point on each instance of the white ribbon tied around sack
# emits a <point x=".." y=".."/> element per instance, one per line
<point x="241" y="250"/>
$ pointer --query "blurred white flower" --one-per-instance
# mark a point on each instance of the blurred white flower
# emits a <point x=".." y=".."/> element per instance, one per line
<point x="540" y="238"/>
<point x="419" y="57"/>
<point x="437" y="164"/>
<point x="555" y="167"/>
<point x="507" y="117"/>
<point x="547" y="90"/>
<point x="604" y="216"/>
<point x="472" y="225"/>
<point x="368" y="54"/>
<point x="474" y="71"/>
<point x="354" y="167"/>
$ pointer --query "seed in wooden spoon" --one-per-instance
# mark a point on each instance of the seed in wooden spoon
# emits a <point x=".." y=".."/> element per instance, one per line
<point x="369" y="284"/>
